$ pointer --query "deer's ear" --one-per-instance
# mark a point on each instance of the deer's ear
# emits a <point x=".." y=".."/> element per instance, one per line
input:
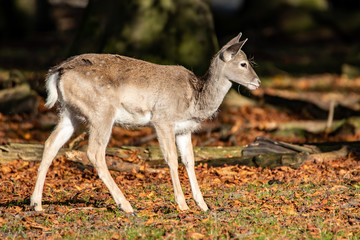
<point x="234" y="40"/>
<point x="243" y="42"/>
<point x="227" y="54"/>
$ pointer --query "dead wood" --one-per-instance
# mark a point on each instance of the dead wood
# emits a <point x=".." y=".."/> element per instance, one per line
<point x="262" y="153"/>
<point x="327" y="156"/>
<point x="18" y="99"/>
<point x="316" y="104"/>
<point x="314" y="126"/>
<point x="115" y="164"/>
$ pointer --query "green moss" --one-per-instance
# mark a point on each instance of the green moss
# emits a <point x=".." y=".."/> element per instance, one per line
<point x="190" y="50"/>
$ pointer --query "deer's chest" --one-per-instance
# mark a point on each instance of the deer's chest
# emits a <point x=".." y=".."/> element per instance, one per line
<point x="186" y="126"/>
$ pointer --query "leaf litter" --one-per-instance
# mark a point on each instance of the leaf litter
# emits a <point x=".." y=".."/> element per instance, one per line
<point x="318" y="200"/>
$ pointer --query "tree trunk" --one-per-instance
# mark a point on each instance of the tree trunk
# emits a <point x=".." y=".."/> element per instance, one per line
<point x="166" y="32"/>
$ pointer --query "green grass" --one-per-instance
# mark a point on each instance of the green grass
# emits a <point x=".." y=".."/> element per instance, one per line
<point x="251" y="210"/>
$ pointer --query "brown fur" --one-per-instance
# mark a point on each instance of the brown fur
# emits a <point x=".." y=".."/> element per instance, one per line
<point x="105" y="89"/>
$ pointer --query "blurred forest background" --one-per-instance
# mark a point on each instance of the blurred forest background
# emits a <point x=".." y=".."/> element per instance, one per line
<point x="307" y="52"/>
<point x="285" y="36"/>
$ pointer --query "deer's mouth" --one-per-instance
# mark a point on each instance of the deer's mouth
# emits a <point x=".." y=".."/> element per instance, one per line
<point x="252" y="86"/>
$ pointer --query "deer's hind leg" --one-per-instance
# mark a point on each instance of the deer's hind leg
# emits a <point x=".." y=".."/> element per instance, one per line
<point x="56" y="140"/>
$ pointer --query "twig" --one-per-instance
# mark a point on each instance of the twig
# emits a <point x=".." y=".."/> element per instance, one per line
<point x="144" y="140"/>
<point x="74" y="143"/>
<point x="331" y="114"/>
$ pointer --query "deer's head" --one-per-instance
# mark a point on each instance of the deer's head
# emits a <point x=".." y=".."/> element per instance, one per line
<point x="236" y="65"/>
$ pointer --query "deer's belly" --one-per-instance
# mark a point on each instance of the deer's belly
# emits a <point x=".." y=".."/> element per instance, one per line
<point x="136" y="118"/>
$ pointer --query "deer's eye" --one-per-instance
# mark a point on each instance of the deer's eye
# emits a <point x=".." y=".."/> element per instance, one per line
<point x="243" y="65"/>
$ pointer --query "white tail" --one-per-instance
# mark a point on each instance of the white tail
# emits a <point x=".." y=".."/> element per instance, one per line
<point x="51" y="83"/>
<point x="104" y="89"/>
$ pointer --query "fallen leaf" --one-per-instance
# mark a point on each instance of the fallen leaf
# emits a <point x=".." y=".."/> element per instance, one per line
<point x="5" y="169"/>
<point x="195" y="235"/>
<point x="149" y="221"/>
<point x="2" y="221"/>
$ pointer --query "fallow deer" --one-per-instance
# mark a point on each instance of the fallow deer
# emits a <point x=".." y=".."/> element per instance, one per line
<point x="103" y="89"/>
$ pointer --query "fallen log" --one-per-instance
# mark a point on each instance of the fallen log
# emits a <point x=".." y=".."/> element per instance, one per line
<point x="33" y="152"/>
<point x="116" y="158"/>
<point x="315" y="103"/>
<point x="18" y="99"/>
<point x="262" y="153"/>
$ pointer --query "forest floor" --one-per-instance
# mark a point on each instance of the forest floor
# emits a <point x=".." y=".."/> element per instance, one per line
<point x="319" y="200"/>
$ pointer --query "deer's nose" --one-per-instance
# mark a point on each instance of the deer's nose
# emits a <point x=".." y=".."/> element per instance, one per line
<point x="257" y="81"/>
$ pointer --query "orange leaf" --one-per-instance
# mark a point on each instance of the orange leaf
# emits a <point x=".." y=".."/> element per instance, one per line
<point x="149" y="221"/>
<point x="195" y="235"/>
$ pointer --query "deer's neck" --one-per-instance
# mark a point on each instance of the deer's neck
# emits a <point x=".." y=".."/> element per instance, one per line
<point x="215" y="87"/>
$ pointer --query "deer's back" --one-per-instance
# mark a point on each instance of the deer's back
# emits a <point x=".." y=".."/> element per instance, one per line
<point x="119" y="70"/>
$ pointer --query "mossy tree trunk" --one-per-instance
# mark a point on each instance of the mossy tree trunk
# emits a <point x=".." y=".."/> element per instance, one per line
<point x="162" y="31"/>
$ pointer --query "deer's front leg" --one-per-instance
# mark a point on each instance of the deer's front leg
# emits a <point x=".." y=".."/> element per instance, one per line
<point x="187" y="157"/>
<point x="166" y="138"/>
